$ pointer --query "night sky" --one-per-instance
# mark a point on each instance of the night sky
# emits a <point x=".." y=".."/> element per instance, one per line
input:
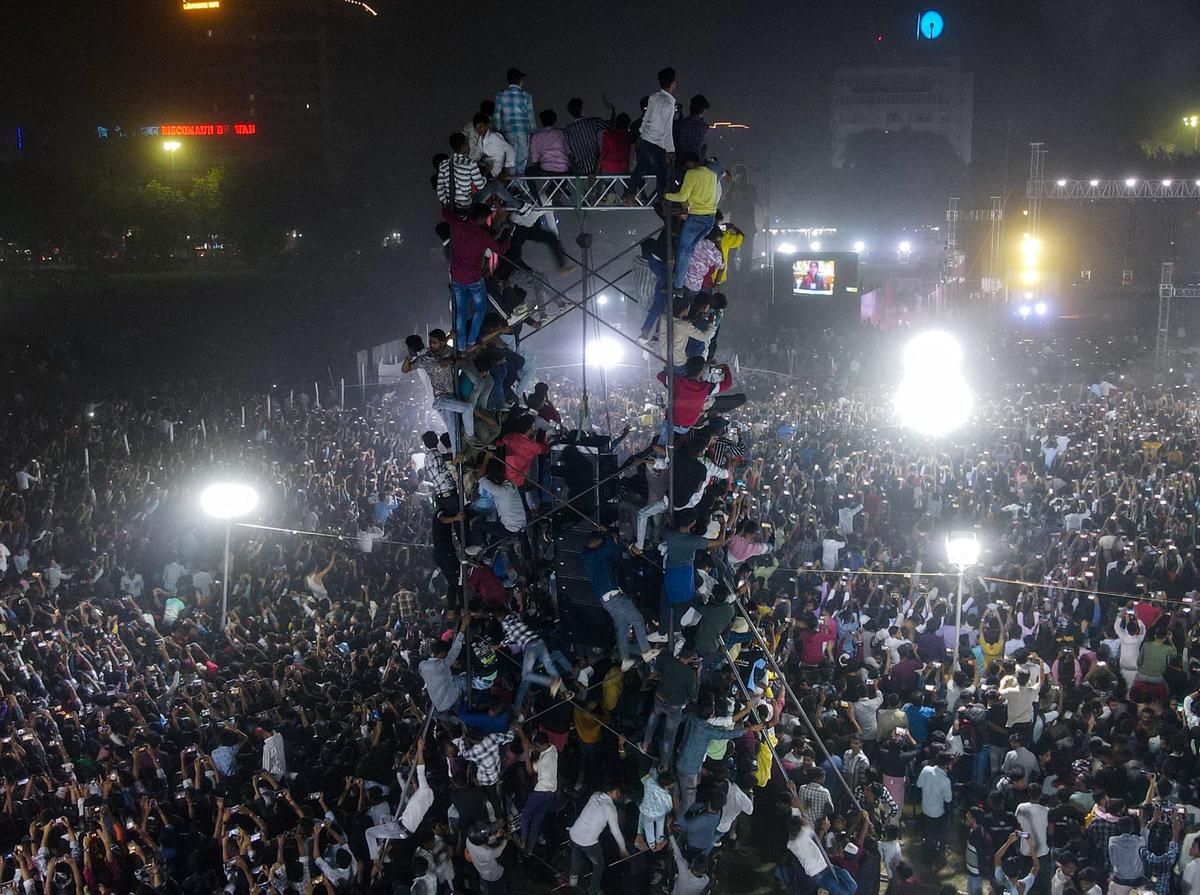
<point x="1085" y="76"/>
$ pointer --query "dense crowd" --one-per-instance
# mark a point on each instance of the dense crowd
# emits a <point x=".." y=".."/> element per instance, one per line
<point x="395" y="702"/>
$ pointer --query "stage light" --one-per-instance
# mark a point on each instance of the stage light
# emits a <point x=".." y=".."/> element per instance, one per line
<point x="786" y="248"/>
<point x="1093" y="183"/>
<point x="1061" y="182"/>
<point x="1029" y="276"/>
<point x="1040" y="308"/>
<point x="228" y="500"/>
<point x="933" y="397"/>
<point x="814" y="246"/>
<point x="171" y="145"/>
<point x="1167" y="182"/>
<point x="860" y="246"/>
<point x="1131" y="182"/>
<point x="602" y="299"/>
<point x="604" y="352"/>
<point x="905" y="247"/>
<point x="1023" y="310"/>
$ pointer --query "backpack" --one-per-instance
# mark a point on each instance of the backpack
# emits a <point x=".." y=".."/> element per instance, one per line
<point x="973" y="727"/>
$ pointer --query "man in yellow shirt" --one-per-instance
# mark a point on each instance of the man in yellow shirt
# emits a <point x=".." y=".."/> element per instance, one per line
<point x="699" y="191"/>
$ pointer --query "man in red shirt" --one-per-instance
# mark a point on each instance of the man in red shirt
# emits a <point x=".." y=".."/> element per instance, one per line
<point x="691" y="391"/>
<point x="469" y="240"/>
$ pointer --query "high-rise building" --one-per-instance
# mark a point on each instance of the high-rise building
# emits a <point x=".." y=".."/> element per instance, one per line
<point x="295" y="68"/>
<point x="935" y="96"/>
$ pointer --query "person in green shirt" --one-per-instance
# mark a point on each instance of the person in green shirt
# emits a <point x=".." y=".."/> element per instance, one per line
<point x="1156" y="653"/>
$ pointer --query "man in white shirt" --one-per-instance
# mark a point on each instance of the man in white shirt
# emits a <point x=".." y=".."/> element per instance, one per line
<point x="509" y="505"/>
<point x="496" y="155"/>
<point x="25" y="478"/>
<point x="1034" y="818"/>
<point x="5" y="553"/>
<point x="830" y="547"/>
<point x="414" y="811"/>
<point x="656" y="143"/>
<point x="274" y="761"/>
<point x="737" y="802"/>
<point x="1019" y="697"/>
<point x="936" y="795"/>
<point x="599" y="812"/>
<point x="541" y="761"/>
<point x="866" y="709"/>
<point x="1191" y="870"/>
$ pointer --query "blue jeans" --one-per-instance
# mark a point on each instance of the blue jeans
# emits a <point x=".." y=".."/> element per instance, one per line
<point x="535" y="652"/>
<point x="979" y="767"/>
<point x="658" y="267"/>
<point x="672" y="715"/>
<point x="496" y="188"/>
<point x="470" y="299"/>
<point x="695" y="228"/>
<point x="533" y="815"/>
<point x="450" y="407"/>
<point x="651" y="159"/>
<point x="837" y="881"/>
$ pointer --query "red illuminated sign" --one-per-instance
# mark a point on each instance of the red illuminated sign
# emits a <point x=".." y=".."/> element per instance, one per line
<point x="206" y="130"/>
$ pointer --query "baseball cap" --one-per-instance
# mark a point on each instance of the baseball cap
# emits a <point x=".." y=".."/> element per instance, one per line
<point x="515" y="74"/>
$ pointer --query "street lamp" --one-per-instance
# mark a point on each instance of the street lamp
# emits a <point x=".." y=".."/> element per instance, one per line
<point x="170" y="147"/>
<point x="1193" y="121"/>
<point x="860" y="246"/>
<point x="227" y="501"/>
<point x="962" y="549"/>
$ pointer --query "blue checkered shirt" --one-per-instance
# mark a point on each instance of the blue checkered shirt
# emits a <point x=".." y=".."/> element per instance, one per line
<point x="514" y="113"/>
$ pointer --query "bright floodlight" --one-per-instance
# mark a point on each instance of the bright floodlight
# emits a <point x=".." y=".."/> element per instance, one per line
<point x="1167" y="182"/>
<point x="905" y="247"/>
<point x="1093" y="183"/>
<point x="603" y="299"/>
<point x="1062" y="183"/>
<point x="786" y="248"/>
<point x="228" y="500"/>
<point x="934" y="349"/>
<point x="962" y="549"/>
<point x="1040" y="308"/>
<point x="605" y="352"/>
<point x="1131" y="182"/>
<point x="814" y="246"/>
<point x="860" y="246"/>
<point x="933" y="397"/>
<point x="1023" y="310"/>
<point x="933" y="404"/>
<point x="171" y="145"/>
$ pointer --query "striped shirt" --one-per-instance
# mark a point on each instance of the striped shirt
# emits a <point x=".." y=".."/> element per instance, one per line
<point x="724" y="449"/>
<point x="514" y="113"/>
<point x="517" y="634"/>
<point x="466" y="180"/>
<point x="583" y="143"/>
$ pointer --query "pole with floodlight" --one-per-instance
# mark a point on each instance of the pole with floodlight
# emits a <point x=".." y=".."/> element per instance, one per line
<point x="227" y="501"/>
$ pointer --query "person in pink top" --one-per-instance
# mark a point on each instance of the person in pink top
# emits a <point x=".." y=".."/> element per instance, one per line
<point x="746" y="544"/>
<point x="520" y="450"/>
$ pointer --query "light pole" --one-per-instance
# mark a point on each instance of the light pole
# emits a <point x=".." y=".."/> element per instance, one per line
<point x="962" y="549"/>
<point x="227" y="501"/>
<point x="1193" y="121"/>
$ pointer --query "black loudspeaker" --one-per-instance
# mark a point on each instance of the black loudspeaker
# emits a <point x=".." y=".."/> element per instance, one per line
<point x="587" y="464"/>
<point x="585" y="622"/>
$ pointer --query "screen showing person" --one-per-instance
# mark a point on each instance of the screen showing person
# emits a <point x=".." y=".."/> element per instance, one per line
<point x="812" y="277"/>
